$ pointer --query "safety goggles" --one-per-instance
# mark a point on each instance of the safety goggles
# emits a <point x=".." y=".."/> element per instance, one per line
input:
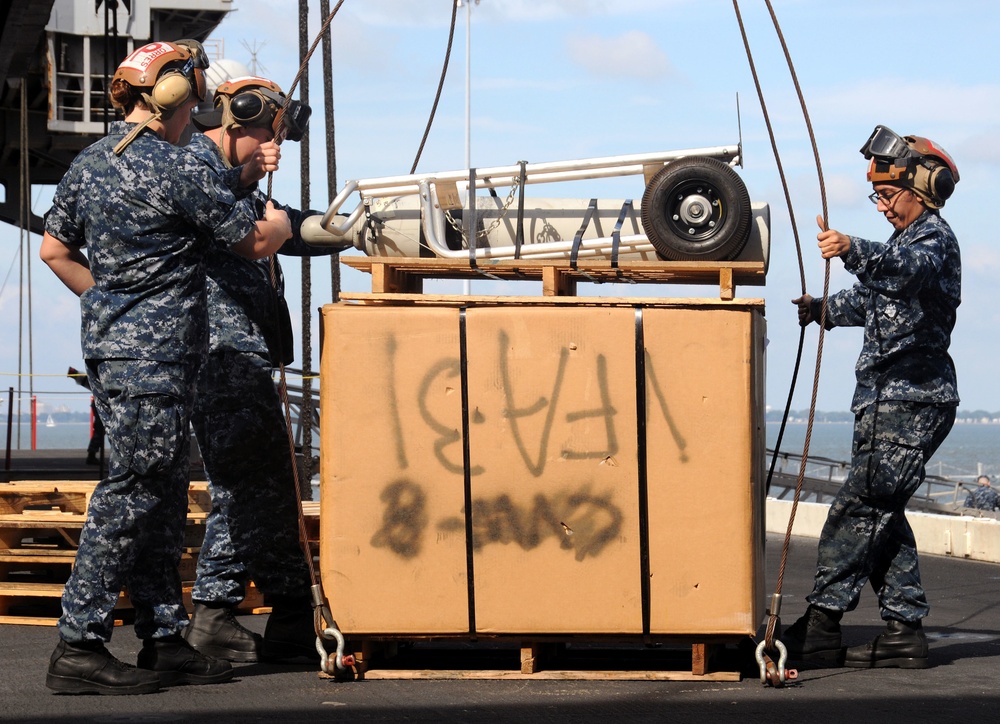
<point x="886" y="145"/>
<point x="194" y="67"/>
<point x="261" y="107"/>
<point x="251" y="108"/>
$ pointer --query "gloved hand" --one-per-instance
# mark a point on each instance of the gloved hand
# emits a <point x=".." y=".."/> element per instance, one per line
<point x="805" y="309"/>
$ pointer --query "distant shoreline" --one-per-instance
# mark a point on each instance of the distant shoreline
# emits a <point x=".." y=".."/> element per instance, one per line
<point x="803" y="421"/>
<point x="963" y="417"/>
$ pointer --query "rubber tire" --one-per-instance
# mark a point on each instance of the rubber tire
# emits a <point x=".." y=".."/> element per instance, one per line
<point x="684" y="183"/>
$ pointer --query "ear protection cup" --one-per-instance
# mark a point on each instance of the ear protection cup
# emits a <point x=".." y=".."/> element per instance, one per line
<point x="932" y="181"/>
<point x="171" y="91"/>
<point x="941" y="183"/>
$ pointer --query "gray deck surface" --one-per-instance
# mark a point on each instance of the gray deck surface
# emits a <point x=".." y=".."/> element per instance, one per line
<point x="962" y="685"/>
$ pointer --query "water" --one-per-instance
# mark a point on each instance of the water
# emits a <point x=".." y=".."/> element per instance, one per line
<point x="970" y="449"/>
<point x="61" y="436"/>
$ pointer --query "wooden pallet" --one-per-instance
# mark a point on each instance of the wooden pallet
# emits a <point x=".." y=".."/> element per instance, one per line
<point x="559" y="277"/>
<point x="71" y="497"/>
<point x="39" y="604"/>
<point x="41" y="515"/>
<point x="575" y="659"/>
<point x="40" y="524"/>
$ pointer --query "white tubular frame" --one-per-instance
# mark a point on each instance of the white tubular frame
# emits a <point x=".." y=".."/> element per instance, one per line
<point x="433" y="219"/>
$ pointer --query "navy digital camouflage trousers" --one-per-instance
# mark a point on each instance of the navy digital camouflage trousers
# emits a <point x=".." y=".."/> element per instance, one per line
<point x="252" y="531"/>
<point x="135" y="523"/>
<point x="866" y="535"/>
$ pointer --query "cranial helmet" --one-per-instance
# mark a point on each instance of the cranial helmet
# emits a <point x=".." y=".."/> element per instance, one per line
<point x="174" y="73"/>
<point x="913" y="162"/>
<point x="255" y="102"/>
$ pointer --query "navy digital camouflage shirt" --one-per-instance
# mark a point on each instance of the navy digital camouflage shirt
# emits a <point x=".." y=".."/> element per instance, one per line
<point x="985" y="497"/>
<point x="245" y="309"/>
<point x="147" y="219"/>
<point x="906" y="297"/>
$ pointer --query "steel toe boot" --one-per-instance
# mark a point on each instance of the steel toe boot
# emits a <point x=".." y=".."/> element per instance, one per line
<point x="289" y="632"/>
<point x="902" y="645"/>
<point x="88" y="667"/>
<point x="175" y="662"/>
<point x="815" y="636"/>
<point x="215" y="632"/>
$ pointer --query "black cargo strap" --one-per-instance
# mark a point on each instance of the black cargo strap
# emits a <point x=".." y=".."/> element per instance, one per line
<point x="591" y="210"/>
<point x="473" y="222"/>
<point x="463" y="365"/>
<point x="641" y="460"/>
<point x="616" y="235"/>
<point x="519" y="238"/>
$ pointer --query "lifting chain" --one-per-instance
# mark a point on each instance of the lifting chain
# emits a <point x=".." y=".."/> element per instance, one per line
<point x="458" y="227"/>
<point x="372" y="223"/>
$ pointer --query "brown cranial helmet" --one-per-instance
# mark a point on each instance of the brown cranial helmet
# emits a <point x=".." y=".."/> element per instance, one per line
<point x="912" y="162"/>
<point x="166" y="76"/>
<point x="255" y="102"/>
<point x="246" y="102"/>
<point x="175" y="72"/>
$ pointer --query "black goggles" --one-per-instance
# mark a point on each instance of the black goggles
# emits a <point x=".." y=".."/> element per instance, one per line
<point x="252" y="108"/>
<point x="195" y="66"/>
<point x="261" y="107"/>
<point x="886" y="145"/>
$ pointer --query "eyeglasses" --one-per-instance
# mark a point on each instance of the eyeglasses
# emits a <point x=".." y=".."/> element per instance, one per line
<point x="886" y="199"/>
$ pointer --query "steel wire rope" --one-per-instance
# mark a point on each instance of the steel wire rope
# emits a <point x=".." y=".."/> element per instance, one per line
<point x="24" y="204"/>
<point x="437" y="96"/>
<point x="306" y="407"/>
<point x="331" y="146"/>
<point x="283" y="390"/>
<point x="795" y="235"/>
<point x="273" y="268"/>
<point x="773" y="614"/>
<point x="282" y="385"/>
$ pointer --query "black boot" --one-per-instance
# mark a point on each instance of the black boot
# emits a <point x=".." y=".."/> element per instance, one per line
<point x="815" y="636"/>
<point x="902" y="645"/>
<point x="176" y="662"/>
<point x="215" y="632"/>
<point x="89" y="668"/>
<point x="290" y="632"/>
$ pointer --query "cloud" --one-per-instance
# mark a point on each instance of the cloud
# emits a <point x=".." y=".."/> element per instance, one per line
<point x="980" y="260"/>
<point x="633" y="54"/>
<point x="947" y="110"/>
<point x="398" y="13"/>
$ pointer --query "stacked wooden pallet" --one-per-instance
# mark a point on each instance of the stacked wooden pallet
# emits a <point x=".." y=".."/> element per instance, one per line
<point x="40" y="525"/>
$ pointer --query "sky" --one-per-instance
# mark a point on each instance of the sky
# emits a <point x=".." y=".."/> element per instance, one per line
<point x="555" y="80"/>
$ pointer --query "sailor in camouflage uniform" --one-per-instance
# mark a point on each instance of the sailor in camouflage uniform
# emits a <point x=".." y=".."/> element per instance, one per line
<point x="906" y="297"/>
<point x="146" y="211"/>
<point x="984" y="496"/>
<point x="252" y="531"/>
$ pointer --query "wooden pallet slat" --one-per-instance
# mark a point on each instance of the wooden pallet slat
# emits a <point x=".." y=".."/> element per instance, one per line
<point x="40" y="524"/>
<point x="384" y="659"/>
<point x="559" y="277"/>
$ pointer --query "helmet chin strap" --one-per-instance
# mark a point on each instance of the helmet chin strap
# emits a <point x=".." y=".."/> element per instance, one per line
<point x="228" y="123"/>
<point x="157" y="113"/>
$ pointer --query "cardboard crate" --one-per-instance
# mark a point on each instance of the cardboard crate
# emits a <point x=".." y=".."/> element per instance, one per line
<point x="593" y="468"/>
